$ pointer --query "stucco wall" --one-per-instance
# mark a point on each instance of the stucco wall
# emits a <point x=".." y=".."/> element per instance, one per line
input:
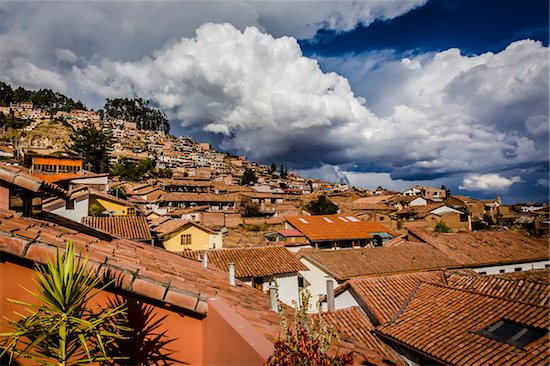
<point x="199" y="240"/>
<point x="512" y="267"/>
<point x="318" y="283"/>
<point x="288" y="288"/>
<point x="80" y="210"/>
<point x="186" y="331"/>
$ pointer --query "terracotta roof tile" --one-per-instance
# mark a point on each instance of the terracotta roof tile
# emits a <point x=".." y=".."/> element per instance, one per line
<point x="535" y="275"/>
<point x="348" y="263"/>
<point x="197" y="197"/>
<point x="443" y="323"/>
<point x="524" y="290"/>
<point x="355" y="324"/>
<point x="129" y="227"/>
<point x="385" y="295"/>
<point x="335" y="227"/>
<point x="482" y="248"/>
<point x="138" y="267"/>
<point x="252" y="262"/>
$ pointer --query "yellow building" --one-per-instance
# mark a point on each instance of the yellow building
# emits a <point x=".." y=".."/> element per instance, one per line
<point x="181" y="235"/>
<point x="109" y="204"/>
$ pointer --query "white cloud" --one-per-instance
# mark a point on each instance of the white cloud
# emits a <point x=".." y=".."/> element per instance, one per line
<point x="16" y="69"/>
<point x="268" y="101"/>
<point x="543" y="182"/>
<point x="63" y="54"/>
<point x="488" y="182"/>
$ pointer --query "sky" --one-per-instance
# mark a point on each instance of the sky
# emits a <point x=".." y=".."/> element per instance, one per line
<point x="375" y="93"/>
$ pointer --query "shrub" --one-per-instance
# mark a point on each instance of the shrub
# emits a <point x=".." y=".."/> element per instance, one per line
<point x="63" y="329"/>
<point x="441" y="227"/>
<point x="306" y="340"/>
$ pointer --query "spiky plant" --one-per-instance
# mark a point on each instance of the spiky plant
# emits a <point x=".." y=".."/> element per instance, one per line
<point x="63" y="330"/>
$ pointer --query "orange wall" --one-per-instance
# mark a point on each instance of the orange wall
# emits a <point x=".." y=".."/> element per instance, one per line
<point x="58" y="161"/>
<point x="222" y="338"/>
<point x="187" y="331"/>
<point x="230" y="340"/>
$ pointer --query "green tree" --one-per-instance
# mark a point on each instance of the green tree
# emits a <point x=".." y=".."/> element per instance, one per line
<point x="441" y="227"/>
<point x="322" y="206"/>
<point x="139" y="111"/>
<point x="283" y="173"/>
<point x="249" y="176"/>
<point x="63" y="330"/>
<point x="273" y="168"/>
<point x="248" y="208"/>
<point x="94" y="145"/>
<point x="6" y="94"/>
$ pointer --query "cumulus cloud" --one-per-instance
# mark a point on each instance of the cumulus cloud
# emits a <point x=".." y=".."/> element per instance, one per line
<point x="265" y="99"/>
<point x="63" y="54"/>
<point x="488" y="182"/>
<point x="126" y="30"/>
<point x="16" y="69"/>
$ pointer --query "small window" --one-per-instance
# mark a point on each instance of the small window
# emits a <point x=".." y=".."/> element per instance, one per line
<point x="300" y="282"/>
<point x="69" y="205"/>
<point x="482" y="273"/>
<point x="502" y="271"/>
<point x="186" y="239"/>
<point x="547" y="266"/>
<point x="381" y="219"/>
<point x="512" y="333"/>
<point x="517" y="269"/>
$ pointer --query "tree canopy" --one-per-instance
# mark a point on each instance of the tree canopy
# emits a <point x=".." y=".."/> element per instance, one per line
<point x="249" y="176"/>
<point x="130" y="171"/>
<point x="45" y="99"/>
<point x="139" y="111"/>
<point x="94" y="145"/>
<point x="322" y="206"/>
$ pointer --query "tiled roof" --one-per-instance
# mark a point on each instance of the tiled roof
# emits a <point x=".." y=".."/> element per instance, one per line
<point x="197" y="197"/>
<point x="537" y="275"/>
<point x="20" y="177"/>
<point x="385" y="295"/>
<point x="170" y="226"/>
<point x="109" y="197"/>
<point x="465" y="199"/>
<point x="442" y="322"/>
<point x="290" y="232"/>
<point x="419" y="211"/>
<point x="484" y="248"/>
<point x="355" y="324"/>
<point x="335" y="227"/>
<point x="348" y="263"/>
<point x="373" y="199"/>
<point x="129" y="227"/>
<point x="144" y="270"/>
<point x="252" y="262"/>
<point x="528" y="291"/>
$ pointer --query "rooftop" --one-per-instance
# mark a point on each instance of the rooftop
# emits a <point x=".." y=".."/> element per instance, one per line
<point x="484" y="248"/>
<point x="410" y="257"/>
<point x="444" y="323"/>
<point x="129" y="227"/>
<point x="252" y="262"/>
<point x="335" y="227"/>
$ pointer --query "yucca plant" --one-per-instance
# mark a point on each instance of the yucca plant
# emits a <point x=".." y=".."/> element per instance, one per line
<point x="62" y="329"/>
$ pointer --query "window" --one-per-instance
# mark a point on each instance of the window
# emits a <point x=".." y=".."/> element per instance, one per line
<point x="186" y="239"/>
<point x="502" y="271"/>
<point x="517" y="269"/>
<point x="512" y="333"/>
<point x="482" y="273"/>
<point x="69" y="205"/>
<point x="547" y="266"/>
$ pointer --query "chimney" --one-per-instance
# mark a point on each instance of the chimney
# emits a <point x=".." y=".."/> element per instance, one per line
<point x="205" y="260"/>
<point x="273" y="297"/>
<point x="232" y="274"/>
<point x="330" y="294"/>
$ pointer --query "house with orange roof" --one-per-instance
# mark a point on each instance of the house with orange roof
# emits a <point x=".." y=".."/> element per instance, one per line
<point x="259" y="267"/>
<point x="180" y="235"/>
<point x="338" y="231"/>
<point x="429" y="215"/>
<point x="444" y="325"/>
<point x="207" y="319"/>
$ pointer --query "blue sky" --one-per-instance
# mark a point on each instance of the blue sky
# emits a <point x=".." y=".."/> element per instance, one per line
<point x="392" y="93"/>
